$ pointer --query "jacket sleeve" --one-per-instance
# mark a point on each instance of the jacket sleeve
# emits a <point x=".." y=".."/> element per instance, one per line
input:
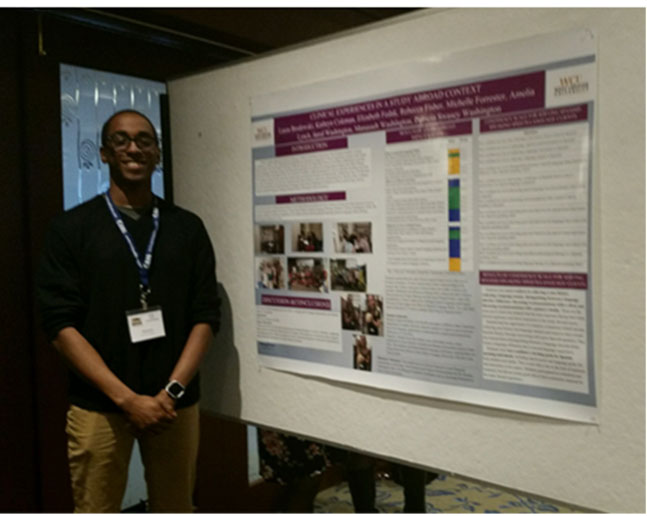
<point x="205" y="301"/>
<point x="58" y="283"/>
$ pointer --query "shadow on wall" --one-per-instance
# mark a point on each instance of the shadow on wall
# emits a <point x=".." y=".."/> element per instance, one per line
<point x="220" y="371"/>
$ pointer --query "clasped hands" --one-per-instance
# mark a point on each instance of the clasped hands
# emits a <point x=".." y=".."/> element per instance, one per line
<point x="149" y="414"/>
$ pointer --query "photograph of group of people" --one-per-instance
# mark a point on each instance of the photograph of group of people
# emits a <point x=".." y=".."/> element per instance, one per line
<point x="353" y="237"/>
<point x="362" y="353"/>
<point x="348" y="274"/>
<point x="270" y="273"/>
<point x="269" y="239"/>
<point x="307" y="274"/>
<point x="363" y="313"/>
<point x="307" y="237"/>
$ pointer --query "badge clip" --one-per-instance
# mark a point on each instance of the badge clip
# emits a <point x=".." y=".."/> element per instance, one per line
<point x="144" y="292"/>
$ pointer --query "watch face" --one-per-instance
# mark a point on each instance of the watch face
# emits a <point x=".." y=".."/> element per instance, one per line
<point x="175" y="389"/>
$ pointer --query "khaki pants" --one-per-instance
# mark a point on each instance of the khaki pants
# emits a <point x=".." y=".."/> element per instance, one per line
<point x="99" y="449"/>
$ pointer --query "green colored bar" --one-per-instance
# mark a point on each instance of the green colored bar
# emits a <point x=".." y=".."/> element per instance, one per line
<point x="454" y="233"/>
<point x="454" y="198"/>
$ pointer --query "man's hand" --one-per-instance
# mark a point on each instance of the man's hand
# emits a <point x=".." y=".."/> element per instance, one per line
<point x="149" y="414"/>
<point x="166" y="402"/>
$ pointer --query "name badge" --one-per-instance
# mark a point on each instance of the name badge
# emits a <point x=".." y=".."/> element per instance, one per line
<point x="145" y="324"/>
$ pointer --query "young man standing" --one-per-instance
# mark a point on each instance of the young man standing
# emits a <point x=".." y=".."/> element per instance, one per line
<point x="129" y="297"/>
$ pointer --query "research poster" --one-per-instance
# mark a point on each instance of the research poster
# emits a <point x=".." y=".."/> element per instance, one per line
<point x="432" y="235"/>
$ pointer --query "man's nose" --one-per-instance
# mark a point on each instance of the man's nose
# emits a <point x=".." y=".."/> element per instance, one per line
<point x="132" y="146"/>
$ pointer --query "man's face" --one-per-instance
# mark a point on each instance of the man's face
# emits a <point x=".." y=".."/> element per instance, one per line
<point x="127" y="160"/>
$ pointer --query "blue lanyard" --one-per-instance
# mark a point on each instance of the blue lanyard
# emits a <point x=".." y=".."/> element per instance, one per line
<point x="142" y="265"/>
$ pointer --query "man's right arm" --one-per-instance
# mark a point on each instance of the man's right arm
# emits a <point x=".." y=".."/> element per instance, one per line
<point x="144" y="412"/>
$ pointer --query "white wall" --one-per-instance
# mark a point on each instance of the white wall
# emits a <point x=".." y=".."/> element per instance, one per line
<point x="599" y="467"/>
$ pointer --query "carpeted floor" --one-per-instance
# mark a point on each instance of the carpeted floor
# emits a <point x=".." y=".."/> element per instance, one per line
<point x="444" y="494"/>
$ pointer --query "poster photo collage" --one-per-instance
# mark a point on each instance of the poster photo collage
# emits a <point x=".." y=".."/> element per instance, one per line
<point x="302" y="257"/>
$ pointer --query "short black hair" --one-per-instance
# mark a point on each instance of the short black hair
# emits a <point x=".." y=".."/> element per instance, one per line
<point x="106" y="124"/>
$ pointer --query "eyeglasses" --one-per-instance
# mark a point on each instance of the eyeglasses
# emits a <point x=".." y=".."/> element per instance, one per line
<point x="121" y="141"/>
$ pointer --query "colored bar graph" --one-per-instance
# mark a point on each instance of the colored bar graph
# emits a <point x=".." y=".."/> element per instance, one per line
<point x="454" y="249"/>
<point x="454" y="209"/>
<point x="454" y="197"/>
<point x="454" y="158"/>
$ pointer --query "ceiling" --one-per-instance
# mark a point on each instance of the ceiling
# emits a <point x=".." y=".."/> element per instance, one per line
<point x="228" y="34"/>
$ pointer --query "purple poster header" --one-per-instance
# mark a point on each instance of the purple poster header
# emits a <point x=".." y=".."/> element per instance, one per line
<point x="311" y="197"/>
<point x="300" y="148"/>
<point x="296" y="302"/>
<point x="463" y="102"/>
<point x="535" y="118"/>
<point x="534" y="279"/>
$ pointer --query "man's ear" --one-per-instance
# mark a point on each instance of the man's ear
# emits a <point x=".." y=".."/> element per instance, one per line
<point x="103" y="153"/>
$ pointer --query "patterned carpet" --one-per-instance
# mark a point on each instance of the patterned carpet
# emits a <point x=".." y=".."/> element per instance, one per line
<point x="444" y="494"/>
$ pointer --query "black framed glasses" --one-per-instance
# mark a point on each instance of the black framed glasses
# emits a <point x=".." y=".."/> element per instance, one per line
<point x="121" y="141"/>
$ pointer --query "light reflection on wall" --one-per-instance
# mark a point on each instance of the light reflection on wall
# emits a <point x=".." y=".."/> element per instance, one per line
<point x="88" y="98"/>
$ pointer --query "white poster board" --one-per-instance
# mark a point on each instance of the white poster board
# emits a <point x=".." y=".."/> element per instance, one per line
<point x="434" y="239"/>
<point x="596" y="466"/>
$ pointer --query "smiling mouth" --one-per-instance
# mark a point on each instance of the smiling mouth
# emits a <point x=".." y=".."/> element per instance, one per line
<point x="134" y="164"/>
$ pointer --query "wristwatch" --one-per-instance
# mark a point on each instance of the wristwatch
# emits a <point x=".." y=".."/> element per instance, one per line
<point x="174" y="389"/>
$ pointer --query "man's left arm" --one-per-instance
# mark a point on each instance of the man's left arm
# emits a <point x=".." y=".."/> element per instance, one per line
<point x="194" y="351"/>
<point x="205" y="310"/>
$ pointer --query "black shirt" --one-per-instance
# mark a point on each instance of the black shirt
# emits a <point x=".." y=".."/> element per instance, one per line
<point x="88" y="279"/>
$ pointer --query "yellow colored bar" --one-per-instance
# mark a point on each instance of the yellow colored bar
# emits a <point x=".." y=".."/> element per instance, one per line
<point x="453" y="155"/>
<point x="455" y="264"/>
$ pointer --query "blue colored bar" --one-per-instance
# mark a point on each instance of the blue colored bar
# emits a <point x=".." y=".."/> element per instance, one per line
<point x="454" y="248"/>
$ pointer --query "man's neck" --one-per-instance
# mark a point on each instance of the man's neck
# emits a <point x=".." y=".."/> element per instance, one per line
<point x="137" y="196"/>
